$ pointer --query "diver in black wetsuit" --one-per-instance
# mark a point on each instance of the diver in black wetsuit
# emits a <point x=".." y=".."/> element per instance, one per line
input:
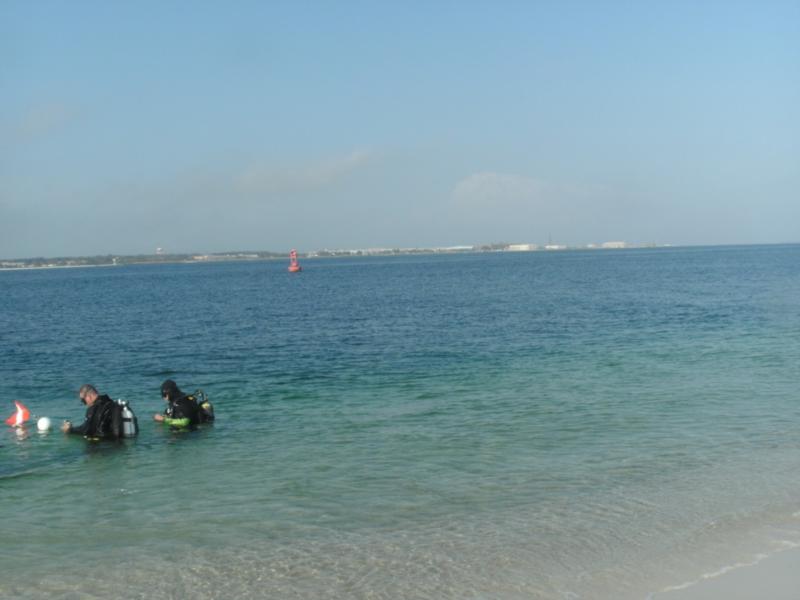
<point x="182" y="411"/>
<point x="101" y="420"/>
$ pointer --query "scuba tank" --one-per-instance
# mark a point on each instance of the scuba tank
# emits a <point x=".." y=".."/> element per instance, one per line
<point x="205" y="408"/>
<point x="130" y="424"/>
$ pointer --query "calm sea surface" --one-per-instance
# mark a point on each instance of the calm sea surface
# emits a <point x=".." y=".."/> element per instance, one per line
<point x="561" y="425"/>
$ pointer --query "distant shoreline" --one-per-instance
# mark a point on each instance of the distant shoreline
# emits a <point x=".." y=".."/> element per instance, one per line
<point x="118" y="261"/>
<point x="49" y="266"/>
<point x="110" y="260"/>
<point x="72" y="262"/>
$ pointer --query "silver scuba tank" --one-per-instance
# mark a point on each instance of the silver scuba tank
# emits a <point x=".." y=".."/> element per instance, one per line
<point x="130" y="425"/>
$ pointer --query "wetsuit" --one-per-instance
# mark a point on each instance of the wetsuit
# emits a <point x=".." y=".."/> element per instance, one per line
<point x="182" y="412"/>
<point x="99" y="421"/>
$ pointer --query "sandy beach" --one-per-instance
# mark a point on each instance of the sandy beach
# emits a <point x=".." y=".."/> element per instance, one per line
<point x="775" y="578"/>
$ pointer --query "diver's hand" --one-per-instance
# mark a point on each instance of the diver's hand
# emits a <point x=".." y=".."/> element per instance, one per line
<point x="158" y="417"/>
<point x="66" y="426"/>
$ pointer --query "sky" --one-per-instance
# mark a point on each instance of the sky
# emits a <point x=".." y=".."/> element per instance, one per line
<point x="224" y="126"/>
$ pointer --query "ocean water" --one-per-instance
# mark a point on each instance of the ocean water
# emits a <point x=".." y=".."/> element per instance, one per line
<point x="567" y="425"/>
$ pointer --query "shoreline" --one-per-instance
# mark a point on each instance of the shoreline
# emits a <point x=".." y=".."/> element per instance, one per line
<point x="19" y="264"/>
<point x="775" y="576"/>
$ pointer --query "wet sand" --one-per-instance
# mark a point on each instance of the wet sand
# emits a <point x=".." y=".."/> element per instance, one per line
<point x="775" y="578"/>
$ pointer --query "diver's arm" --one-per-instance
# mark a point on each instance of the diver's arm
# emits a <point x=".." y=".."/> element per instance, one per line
<point x="167" y="414"/>
<point x="181" y="422"/>
<point x="179" y="414"/>
<point x="68" y="427"/>
<point x="83" y="428"/>
<point x="173" y="418"/>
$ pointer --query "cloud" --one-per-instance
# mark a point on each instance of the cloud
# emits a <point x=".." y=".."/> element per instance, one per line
<point x="42" y="120"/>
<point x="512" y="206"/>
<point x="490" y="189"/>
<point x="263" y="179"/>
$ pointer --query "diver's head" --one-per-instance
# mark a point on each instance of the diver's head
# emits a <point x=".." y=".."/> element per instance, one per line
<point x="87" y="394"/>
<point x="169" y="390"/>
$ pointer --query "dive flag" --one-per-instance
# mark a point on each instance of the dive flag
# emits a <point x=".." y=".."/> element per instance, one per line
<point x="19" y="417"/>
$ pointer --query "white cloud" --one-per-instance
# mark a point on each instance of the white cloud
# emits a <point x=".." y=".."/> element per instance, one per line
<point x="491" y="190"/>
<point x="512" y="206"/>
<point x="264" y="179"/>
<point x="495" y="190"/>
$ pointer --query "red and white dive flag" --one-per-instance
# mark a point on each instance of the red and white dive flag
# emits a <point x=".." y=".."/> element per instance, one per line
<point x="19" y="417"/>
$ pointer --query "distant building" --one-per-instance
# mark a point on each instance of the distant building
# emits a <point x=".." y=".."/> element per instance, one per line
<point x="614" y="245"/>
<point x="555" y="247"/>
<point x="522" y="247"/>
<point x="455" y="249"/>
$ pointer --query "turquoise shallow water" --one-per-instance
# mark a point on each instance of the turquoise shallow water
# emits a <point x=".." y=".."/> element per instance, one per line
<point x="541" y="425"/>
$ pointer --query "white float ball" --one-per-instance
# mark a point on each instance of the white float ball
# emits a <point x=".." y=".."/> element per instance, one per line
<point x="43" y="424"/>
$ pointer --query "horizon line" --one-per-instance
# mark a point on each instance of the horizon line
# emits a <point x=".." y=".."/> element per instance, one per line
<point x="271" y="254"/>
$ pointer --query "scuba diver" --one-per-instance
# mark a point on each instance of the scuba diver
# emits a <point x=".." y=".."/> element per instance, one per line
<point x="184" y="411"/>
<point x="104" y="417"/>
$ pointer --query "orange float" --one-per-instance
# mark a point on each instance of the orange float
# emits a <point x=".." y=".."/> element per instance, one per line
<point x="21" y="415"/>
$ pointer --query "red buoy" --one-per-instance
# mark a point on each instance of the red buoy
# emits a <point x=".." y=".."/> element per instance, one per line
<point x="294" y="266"/>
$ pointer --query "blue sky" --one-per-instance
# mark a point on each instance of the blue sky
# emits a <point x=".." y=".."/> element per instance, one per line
<point x="210" y="126"/>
